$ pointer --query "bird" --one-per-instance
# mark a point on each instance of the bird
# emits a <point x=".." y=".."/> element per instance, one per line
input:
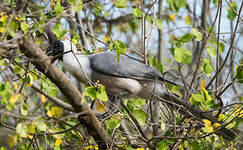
<point x="127" y="78"/>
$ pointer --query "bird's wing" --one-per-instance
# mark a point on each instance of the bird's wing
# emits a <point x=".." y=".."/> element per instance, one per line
<point x="106" y="63"/>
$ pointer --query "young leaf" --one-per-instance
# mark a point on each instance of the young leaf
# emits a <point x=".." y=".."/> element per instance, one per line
<point x="58" y="31"/>
<point x="90" y="92"/>
<point x="101" y="93"/>
<point x="206" y="122"/>
<point x="208" y="129"/>
<point x="197" y="34"/>
<point x="76" y="5"/>
<point x="182" y="55"/>
<point x="196" y="98"/>
<point x="221" y="47"/>
<point x="113" y="123"/>
<point x="187" y="37"/>
<point x="136" y="12"/>
<point x="172" y="17"/>
<point x="58" y="9"/>
<point x="121" y="3"/>
<point x="207" y="67"/>
<point x="216" y="125"/>
<point x="231" y="125"/>
<point x="159" y="24"/>
<point x="57" y="111"/>
<point x="163" y="145"/>
<point x="41" y="125"/>
<point x="140" y="116"/>
<point x="100" y="107"/>
<point x="239" y="73"/>
<point x="21" y="130"/>
<point x="231" y="11"/>
<point x="211" y="51"/>
<point x="120" y="48"/>
<point x="58" y="142"/>
<point x="24" y="27"/>
<point x="188" y="20"/>
<point x="49" y="87"/>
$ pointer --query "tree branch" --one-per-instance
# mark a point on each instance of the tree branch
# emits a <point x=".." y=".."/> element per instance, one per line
<point x="43" y="64"/>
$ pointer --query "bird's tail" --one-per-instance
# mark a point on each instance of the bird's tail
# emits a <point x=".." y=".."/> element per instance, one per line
<point x="186" y="108"/>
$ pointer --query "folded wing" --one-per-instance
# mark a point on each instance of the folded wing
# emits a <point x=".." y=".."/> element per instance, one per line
<point x="106" y="63"/>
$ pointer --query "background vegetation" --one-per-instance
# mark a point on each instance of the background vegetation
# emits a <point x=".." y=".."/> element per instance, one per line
<point x="197" y="43"/>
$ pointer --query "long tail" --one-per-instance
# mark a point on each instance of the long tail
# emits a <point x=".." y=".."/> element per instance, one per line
<point x="186" y="108"/>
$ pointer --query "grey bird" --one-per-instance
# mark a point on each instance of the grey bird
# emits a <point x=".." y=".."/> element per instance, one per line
<point x="127" y="78"/>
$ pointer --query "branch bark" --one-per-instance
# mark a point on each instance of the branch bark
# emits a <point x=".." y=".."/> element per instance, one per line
<point x="43" y="64"/>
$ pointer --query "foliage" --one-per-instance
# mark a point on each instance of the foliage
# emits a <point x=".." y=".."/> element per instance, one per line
<point x="209" y="67"/>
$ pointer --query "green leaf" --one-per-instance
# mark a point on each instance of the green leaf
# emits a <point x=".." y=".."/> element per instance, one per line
<point x="208" y="129"/>
<point x="90" y="92"/>
<point x="24" y="26"/>
<point x="175" y="5"/>
<point x="196" y="98"/>
<point x="163" y="145"/>
<point x="231" y="13"/>
<point x="207" y="67"/>
<point x="58" y="9"/>
<point x="197" y="34"/>
<point x="24" y="110"/>
<point x="3" y="148"/>
<point x="149" y="19"/>
<point x="113" y="123"/>
<point x="231" y="125"/>
<point x="211" y="51"/>
<point x="17" y="69"/>
<point x="120" y="48"/>
<point x="57" y="111"/>
<point x="188" y="20"/>
<point x="76" y="5"/>
<point x="187" y="37"/>
<point x="41" y="125"/>
<point x="182" y="55"/>
<point x="107" y="13"/>
<point x="12" y="28"/>
<point x="98" y="9"/>
<point x="221" y="47"/>
<point x="21" y="130"/>
<point x="159" y="24"/>
<point x="137" y="12"/>
<point x="49" y="87"/>
<point x="216" y="2"/>
<point x="239" y="73"/>
<point x="121" y="3"/>
<point x="140" y="116"/>
<point x="222" y="117"/>
<point x="58" y="31"/>
<point x="101" y="93"/>
<point x="139" y="103"/>
<point x="111" y="46"/>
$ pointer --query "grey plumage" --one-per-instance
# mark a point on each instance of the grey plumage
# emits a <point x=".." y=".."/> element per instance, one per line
<point x="106" y="63"/>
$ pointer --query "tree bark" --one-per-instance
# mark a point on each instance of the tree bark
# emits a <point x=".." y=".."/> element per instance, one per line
<point x="43" y="63"/>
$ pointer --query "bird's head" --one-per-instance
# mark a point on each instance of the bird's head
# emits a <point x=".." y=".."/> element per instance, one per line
<point x="59" y="48"/>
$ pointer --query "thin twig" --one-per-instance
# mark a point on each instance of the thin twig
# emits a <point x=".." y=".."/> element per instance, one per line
<point x="230" y="48"/>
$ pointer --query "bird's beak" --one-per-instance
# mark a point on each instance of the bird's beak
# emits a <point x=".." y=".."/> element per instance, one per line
<point x="49" y="51"/>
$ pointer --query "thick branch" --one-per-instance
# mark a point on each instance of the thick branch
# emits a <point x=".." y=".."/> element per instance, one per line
<point x="43" y="64"/>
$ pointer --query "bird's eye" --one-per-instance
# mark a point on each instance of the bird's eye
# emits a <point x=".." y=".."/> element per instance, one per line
<point x="59" y="44"/>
